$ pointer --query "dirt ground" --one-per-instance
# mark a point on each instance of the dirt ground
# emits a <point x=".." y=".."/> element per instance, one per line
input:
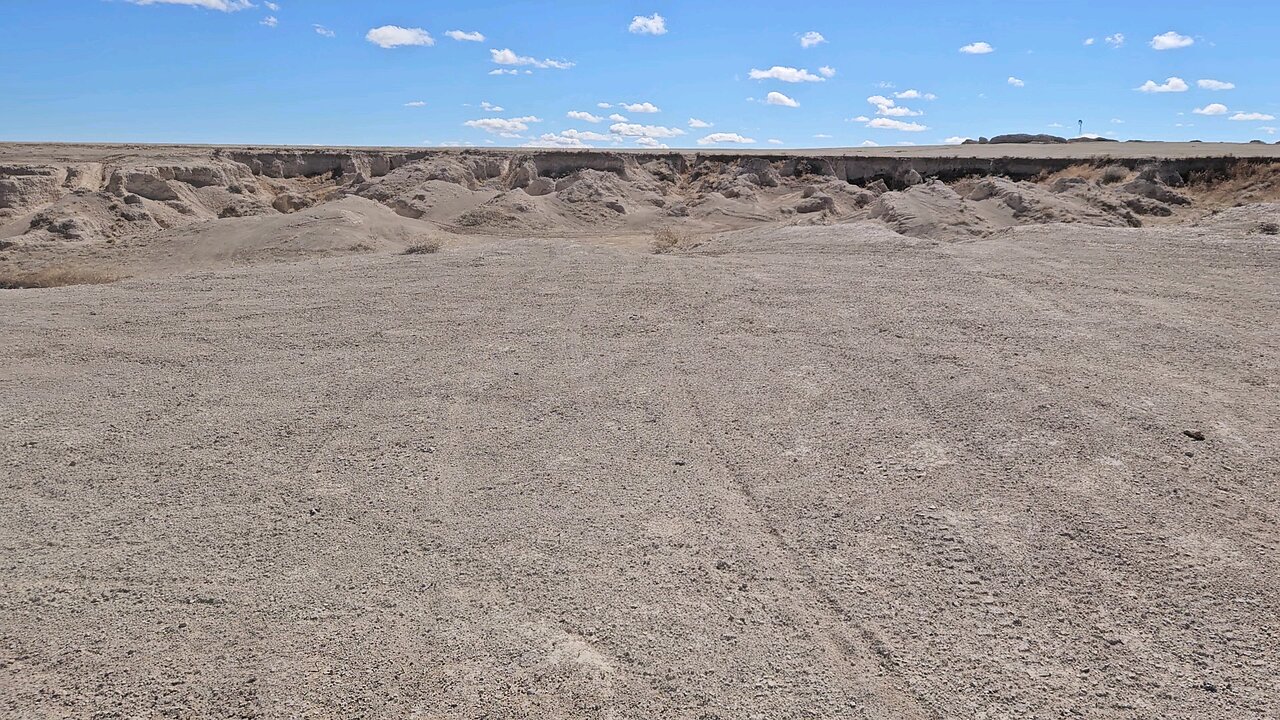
<point x="827" y="472"/>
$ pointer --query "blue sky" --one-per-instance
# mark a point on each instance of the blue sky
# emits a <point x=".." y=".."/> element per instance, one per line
<point x="391" y="72"/>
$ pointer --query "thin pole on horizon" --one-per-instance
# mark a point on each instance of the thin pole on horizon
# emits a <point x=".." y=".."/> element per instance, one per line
<point x="1081" y="122"/>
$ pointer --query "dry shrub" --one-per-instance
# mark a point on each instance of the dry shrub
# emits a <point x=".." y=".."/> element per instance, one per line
<point x="427" y="247"/>
<point x="1269" y="227"/>
<point x="53" y="277"/>
<point x="1112" y="174"/>
<point x="667" y="239"/>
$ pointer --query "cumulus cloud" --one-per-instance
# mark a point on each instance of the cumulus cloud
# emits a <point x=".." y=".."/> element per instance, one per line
<point x="570" y="138"/>
<point x="462" y="36"/>
<point x="506" y="57"/>
<point x="1115" y="40"/>
<point x="617" y="117"/>
<point x="655" y="24"/>
<point x="785" y="74"/>
<point x="1088" y="41"/>
<point x="648" y="142"/>
<point x="888" y="108"/>
<point x="390" y="36"/>
<point x="507" y="71"/>
<point x="1173" y="84"/>
<point x="271" y="6"/>
<point x="490" y="106"/>
<point x="1215" y="85"/>
<point x="870" y="143"/>
<point x="827" y="71"/>
<point x="583" y="115"/>
<point x="958" y="139"/>
<point x="269" y="21"/>
<point x="811" y="38"/>
<point x="220" y="5"/>
<point x="723" y="137"/>
<point x="643" y="107"/>
<point x="637" y="130"/>
<point x="1016" y="82"/>
<point x="604" y="105"/>
<point x="696" y="123"/>
<point x="891" y="124"/>
<point x="415" y="103"/>
<point x="1171" y="41"/>
<point x="1211" y="109"/>
<point x="322" y="30"/>
<point x="506" y="127"/>
<point x="978" y="48"/>
<point x="1244" y="116"/>
<point x="914" y="95"/>
<point x="777" y="98"/>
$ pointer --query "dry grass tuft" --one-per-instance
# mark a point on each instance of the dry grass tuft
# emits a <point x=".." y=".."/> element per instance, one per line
<point x="53" y="277"/>
<point x="427" y="247"/>
<point x="1112" y="174"/>
<point x="667" y="239"/>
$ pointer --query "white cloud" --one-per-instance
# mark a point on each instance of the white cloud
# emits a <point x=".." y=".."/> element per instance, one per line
<point x="776" y="141"/>
<point x="722" y="137"/>
<point x="653" y="25"/>
<point x="1115" y="41"/>
<point x="1117" y="121"/>
<point x="490" y="106"/>
<point x="886" y="107"/>
<point x="504" y="71"/>
<point x="590" y="135"/>
<point x="861" y="118"/>
<point x="890" y="124"/>
<point x="1056" y="125"/>
<point x="1215" y="85"/>
<point x="978" y="48"/>
<point x="569" y="138"/>
<point x="914" y="95"/>
<point x="870" y="143"/>
<point x="604" y="105"/>
<point x="636" y="130"/>
<point x="1244" y="116"/>
<point x="269" y="21"/>
<point x="415" y="103"/>
<point x="1088" y="41"/>
<point x="1173" y="84"/>
<point x="777" y="98"/>
<point x="649" y="142"/>
<point x="1211" y="109"/>
<point x="827" y="71"/>
<point x="811" y="38"/>
<point x="644" y="107"/>
<point x="271" y="6"/>
<point x="785" y="74"/>
<point x="1268" y="130"/>
<point x="1016" y="82"/>
<point x="507" y="57"/>
<point x="617" y="117"/>
<point x="220" y="5"/>
<point x="462" y="36"/>
<point x="696" y="123"/>
<point x="583" y="115"/>
<point x="956" y="140"/>
<point x="1171" y="41"/>
<point x="506" y="127"/>
<point x="322" y="30"/>
<point x="390" y="36"/>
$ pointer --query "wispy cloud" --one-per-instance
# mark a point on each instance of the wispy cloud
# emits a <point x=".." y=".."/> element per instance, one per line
<point x="811" y="39"/>
<point x="462" y="36"/>
<point x="392" y="36"/>
<point x="1215" y="85"/>
<point x="785" y="74"/>
<point x="219" y="5"/>
<point x="507" y="57"/>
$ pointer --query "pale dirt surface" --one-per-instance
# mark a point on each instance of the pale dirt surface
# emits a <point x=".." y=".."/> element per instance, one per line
<point x="793" y="470"/>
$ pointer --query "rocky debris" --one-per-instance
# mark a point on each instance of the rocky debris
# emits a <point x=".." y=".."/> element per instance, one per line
<point x="1148" y="206"/>
<point x="1194" y="435"/>
<point x="1155" y="190"/>
<point x="930" y="210"/>
<point x="132" y="199"/>
<point x="290" y="202"/>
<point x="818" y="202"/>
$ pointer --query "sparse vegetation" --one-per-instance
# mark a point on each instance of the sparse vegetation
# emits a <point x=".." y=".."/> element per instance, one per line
<point x="11" y="279"/>
<point x="1269" y="227"/>
<point x="667" y="239"/>
<point x="1112" y="174"/>
<point x="426" y="247"/>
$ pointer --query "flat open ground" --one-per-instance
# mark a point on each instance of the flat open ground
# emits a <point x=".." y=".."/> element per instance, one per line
<point x="823" y="471"/>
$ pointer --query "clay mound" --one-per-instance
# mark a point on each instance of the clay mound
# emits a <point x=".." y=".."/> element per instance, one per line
<point x="348" y="226"/>
<point x="931" y="210"/>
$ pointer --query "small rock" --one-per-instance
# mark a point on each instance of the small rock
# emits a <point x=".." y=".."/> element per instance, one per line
<point x="1194" y="435"/>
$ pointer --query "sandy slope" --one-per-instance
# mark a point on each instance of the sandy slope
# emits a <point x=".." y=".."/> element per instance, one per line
<point x="797" y="472"/>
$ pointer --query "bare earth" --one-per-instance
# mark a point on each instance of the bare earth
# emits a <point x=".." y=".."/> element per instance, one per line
<point x="918" y="457"/>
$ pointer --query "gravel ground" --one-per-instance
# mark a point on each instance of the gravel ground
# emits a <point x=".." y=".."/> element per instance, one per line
<point x="810" y="472"/>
